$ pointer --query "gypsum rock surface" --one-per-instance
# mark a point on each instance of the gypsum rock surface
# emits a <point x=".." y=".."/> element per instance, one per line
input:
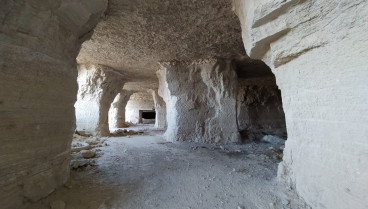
<point x="319" y="57"/>
<point x="136" y="35"/>
<point x="260" y="108"/>
<point x="201" y="101"/>
<point x="39" y="43"/>
<point x="98" y="86"/>
<point x="160" y="108"/>
<point x="137" y="102"/>
<point x="117" y="109"/>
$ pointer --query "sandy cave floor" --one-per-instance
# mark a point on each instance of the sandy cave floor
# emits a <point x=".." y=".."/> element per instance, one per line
<point x="146" y="172"/>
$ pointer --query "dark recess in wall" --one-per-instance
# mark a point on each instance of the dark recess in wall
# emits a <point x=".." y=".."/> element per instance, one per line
<point x="260" y="110"/>
<point x="149" y="115"/>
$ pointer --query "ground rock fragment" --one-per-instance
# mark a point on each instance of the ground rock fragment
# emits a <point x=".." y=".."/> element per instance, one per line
<point x="274" y="140"/>
<point x="88" y="153"/>
<point x="59" y="204"/>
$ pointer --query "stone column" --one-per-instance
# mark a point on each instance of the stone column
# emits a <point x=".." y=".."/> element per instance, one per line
<point x="98" y="86"/>
<point x="117" y="109"/>
<point x="160" y="108"/>
<point x="320" y="59"/>
<point x="39" y="41"/>
<point x="201" y="101"/>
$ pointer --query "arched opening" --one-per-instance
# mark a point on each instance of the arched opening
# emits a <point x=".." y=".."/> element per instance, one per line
<point x="139" y="103"/>
<point x="147" y="116"/>
<point x="260" y="112"/>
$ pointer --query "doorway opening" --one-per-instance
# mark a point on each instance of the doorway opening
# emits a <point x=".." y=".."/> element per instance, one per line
<point x="147" y="116"/>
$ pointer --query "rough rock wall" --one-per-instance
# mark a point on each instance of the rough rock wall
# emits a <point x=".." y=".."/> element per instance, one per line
<point x="319" y="55"/>
<point x="39" y="43"/>
<point x="98" y="86"/>
<point x="138" y="101"/>
<point x="201" y="101"/>
<point x="117" y="109"/>
<point x="160" y="108"/>
<point x="260" y="108"/>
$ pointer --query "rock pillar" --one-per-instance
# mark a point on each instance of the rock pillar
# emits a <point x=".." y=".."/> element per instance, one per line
<point x="39" y="41"/>
<point x="117" y="109"/>
<point x="320" y="59"/>
<point x="160" y="108"/>
<point x="201" y="101"/>
<point x="98" y="86"/>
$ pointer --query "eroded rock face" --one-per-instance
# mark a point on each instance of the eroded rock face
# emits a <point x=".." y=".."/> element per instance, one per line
<point x="117" y="109"/>
<point x="319" y="57"/>
<point x="98" y="86"/>
<point x="138" y="102"/>
<point x="260" y="109"/>
<point x="160" y="108"/>
<point x="39" y="43"/>
<point x="201" y="101"/>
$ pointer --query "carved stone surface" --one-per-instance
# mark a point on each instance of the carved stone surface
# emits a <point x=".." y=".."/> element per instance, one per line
<point x="319" y="57"/>
<point x="98" y="86"/>
<point x="201" y="101"/>
<point x="160" y="108"/>
<point x="136" y="35"/>
<point x="117" y="109"/>
<point x="39" y="43"/>
<point x="138" y="102"/>
<point x="260" y="109"/>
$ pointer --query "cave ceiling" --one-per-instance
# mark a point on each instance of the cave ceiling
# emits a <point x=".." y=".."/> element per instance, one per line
<point x="135" y="35"/>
